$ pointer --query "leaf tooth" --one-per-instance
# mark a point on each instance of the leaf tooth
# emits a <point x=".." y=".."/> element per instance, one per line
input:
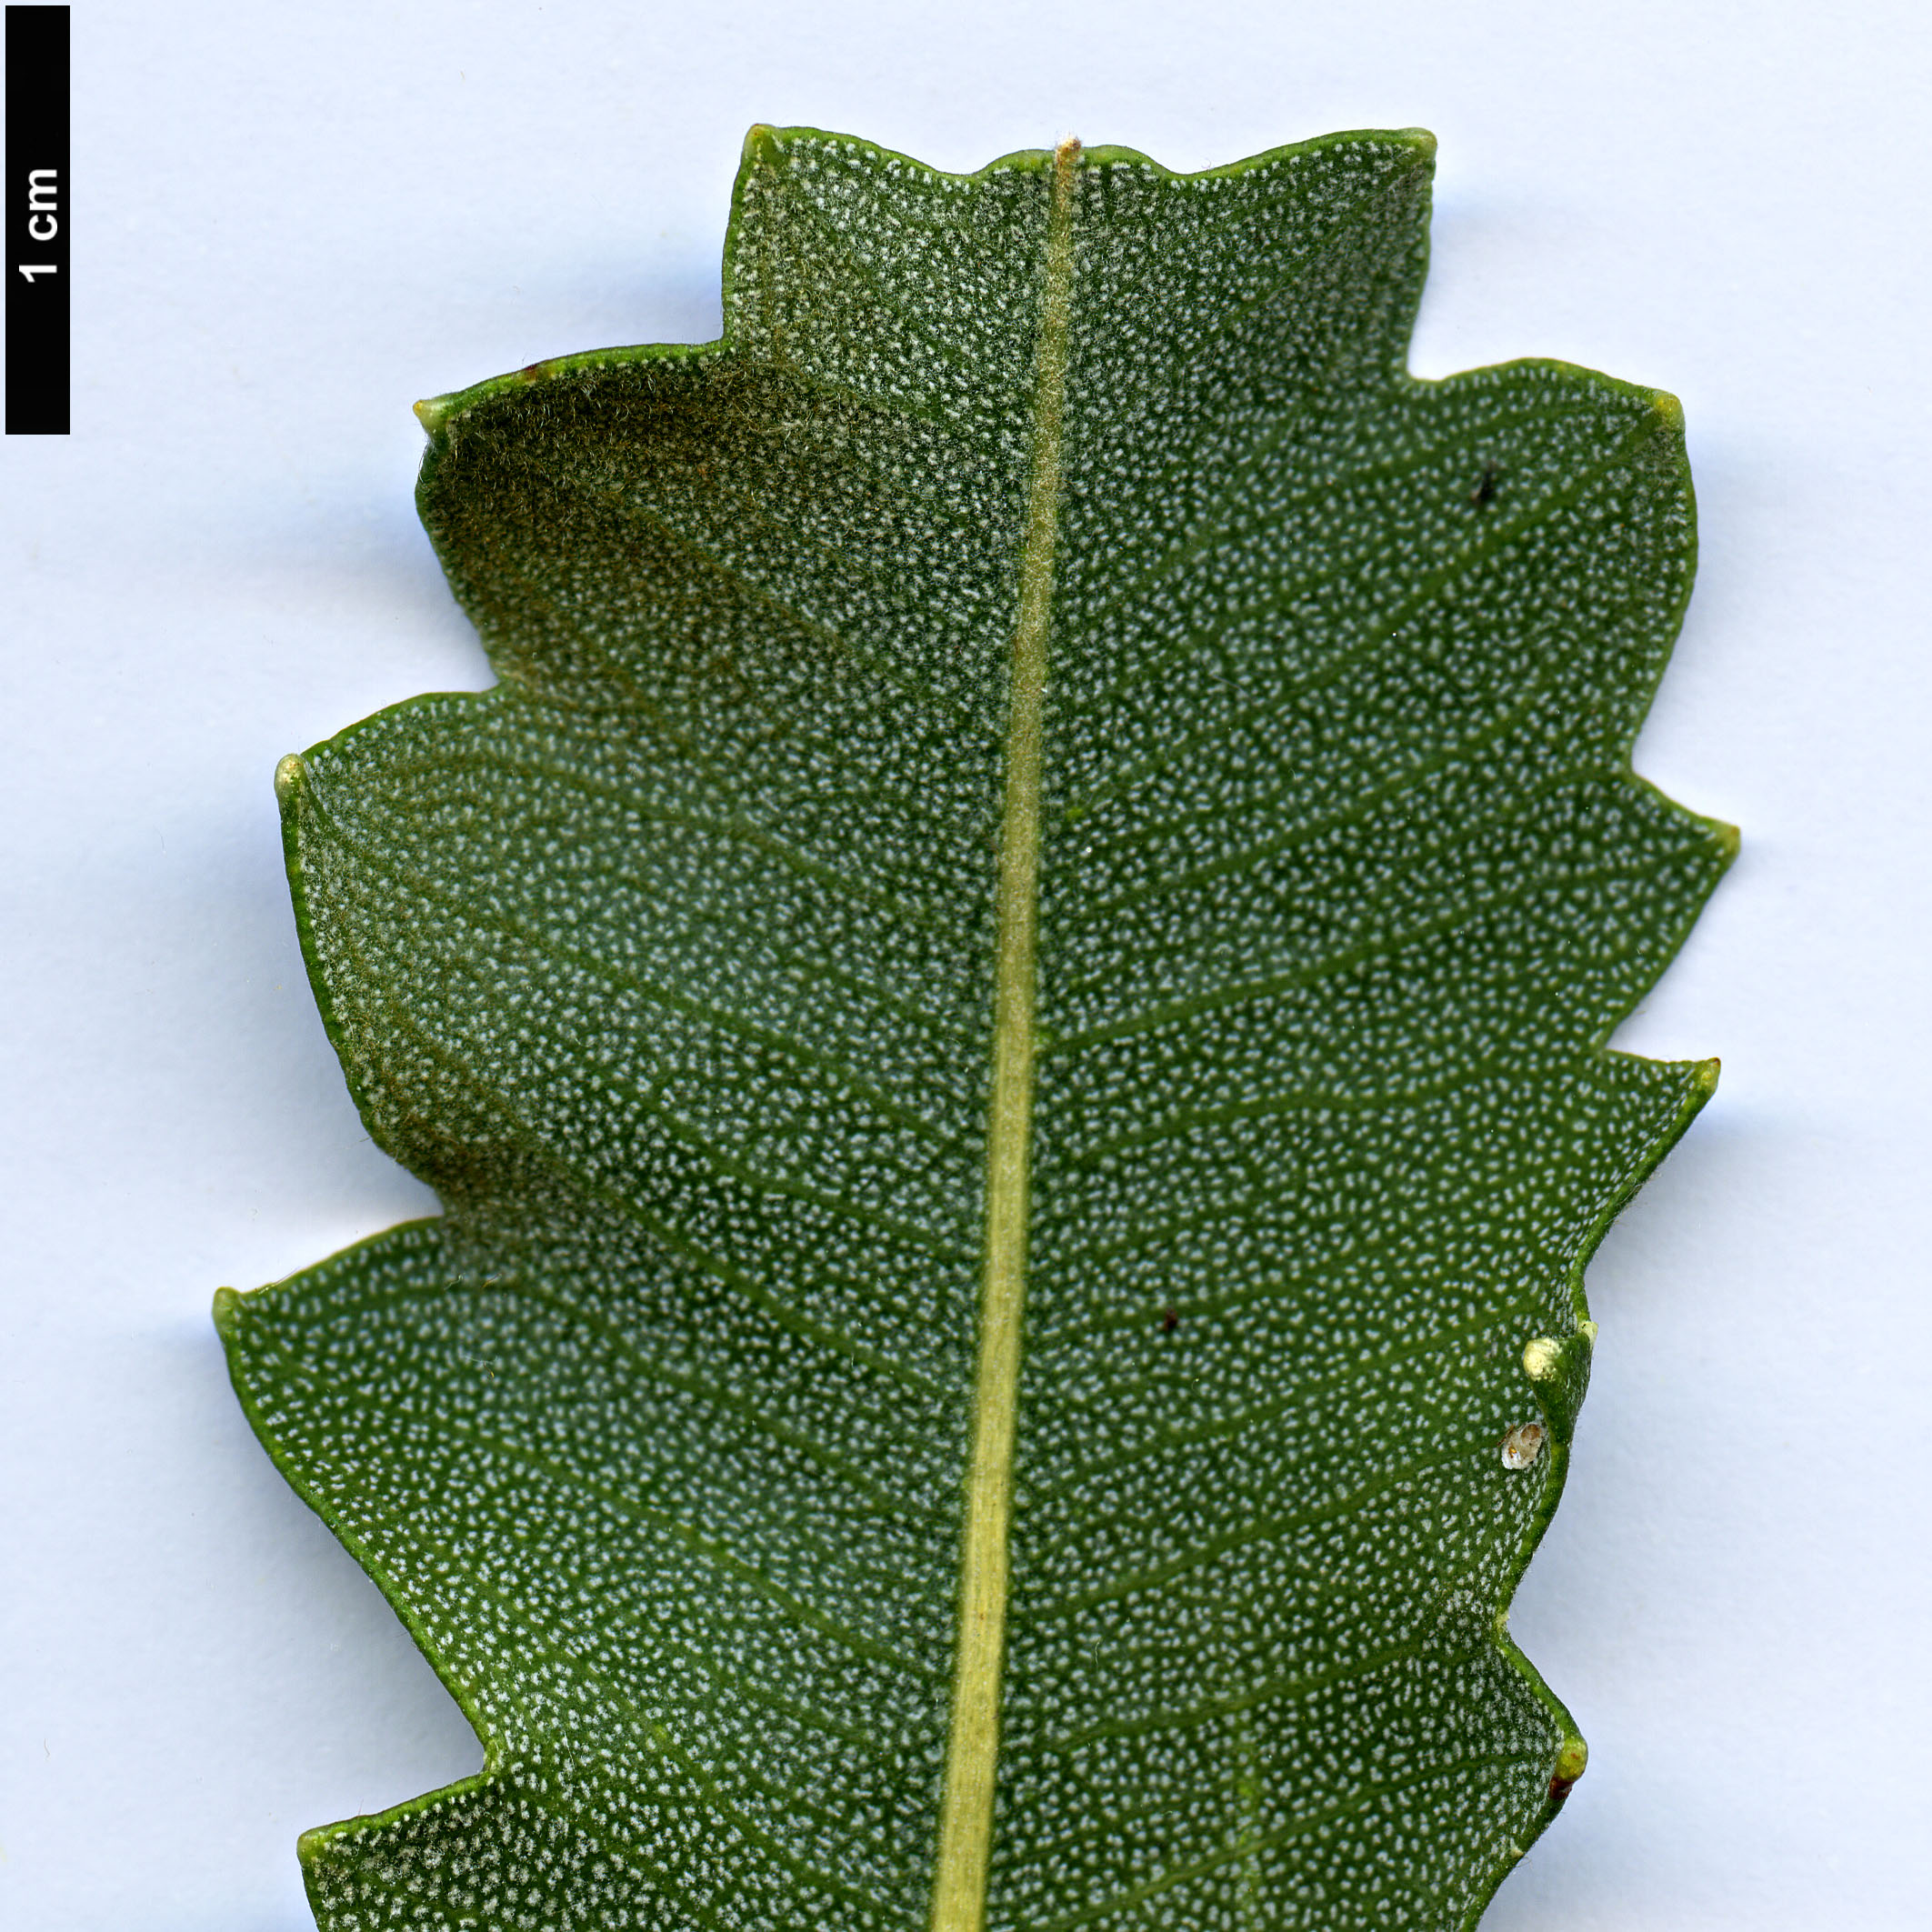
<point x="1560" y="1373"/>
<point x="1572" y="1757"/>
<point x="433" y="411"/>
<point x="289" y="772"/>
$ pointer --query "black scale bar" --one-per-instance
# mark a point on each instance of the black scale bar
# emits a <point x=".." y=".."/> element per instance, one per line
<point x="38" y="366"/>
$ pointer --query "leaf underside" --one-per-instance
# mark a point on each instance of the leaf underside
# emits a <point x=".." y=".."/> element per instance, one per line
<point x="675" y="961"/>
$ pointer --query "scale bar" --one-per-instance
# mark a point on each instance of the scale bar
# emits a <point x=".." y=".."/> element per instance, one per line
<point x="39" y="369"/>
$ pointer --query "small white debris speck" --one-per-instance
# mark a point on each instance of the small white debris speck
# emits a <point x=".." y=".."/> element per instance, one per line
<point x="1522" y="1445"/>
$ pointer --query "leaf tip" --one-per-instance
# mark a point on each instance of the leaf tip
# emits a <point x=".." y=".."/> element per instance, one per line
<point x="1669" y="410"/>
<point x="227" y="1312"/>
<point x="288" y="775"/>
<point x="1705" y="1080"/>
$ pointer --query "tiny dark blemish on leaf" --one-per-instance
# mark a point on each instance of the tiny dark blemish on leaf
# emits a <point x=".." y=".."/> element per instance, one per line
<point x="1560" y="1788"/>
<point x="1169" y="1321"/>
<point x="1486" y="484"/>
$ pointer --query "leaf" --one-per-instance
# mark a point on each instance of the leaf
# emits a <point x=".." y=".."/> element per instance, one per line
<point x="1007" y="1001"/>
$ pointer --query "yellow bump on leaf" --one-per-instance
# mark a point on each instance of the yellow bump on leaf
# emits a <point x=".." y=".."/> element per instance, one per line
<point x="1542" y="1358"/>
<point x="289" y="775"/>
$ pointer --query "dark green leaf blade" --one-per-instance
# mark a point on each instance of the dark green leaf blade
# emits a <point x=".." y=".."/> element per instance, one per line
<point x="671" y="963"/>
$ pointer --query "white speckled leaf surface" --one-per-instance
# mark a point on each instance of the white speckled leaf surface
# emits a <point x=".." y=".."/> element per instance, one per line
<point x="670" y="963"/>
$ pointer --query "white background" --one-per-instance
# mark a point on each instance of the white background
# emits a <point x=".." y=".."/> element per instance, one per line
<point x="292" y="222"/>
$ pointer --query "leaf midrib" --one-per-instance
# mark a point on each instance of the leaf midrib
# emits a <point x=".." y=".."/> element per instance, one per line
<point x="966" y="1820"/>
